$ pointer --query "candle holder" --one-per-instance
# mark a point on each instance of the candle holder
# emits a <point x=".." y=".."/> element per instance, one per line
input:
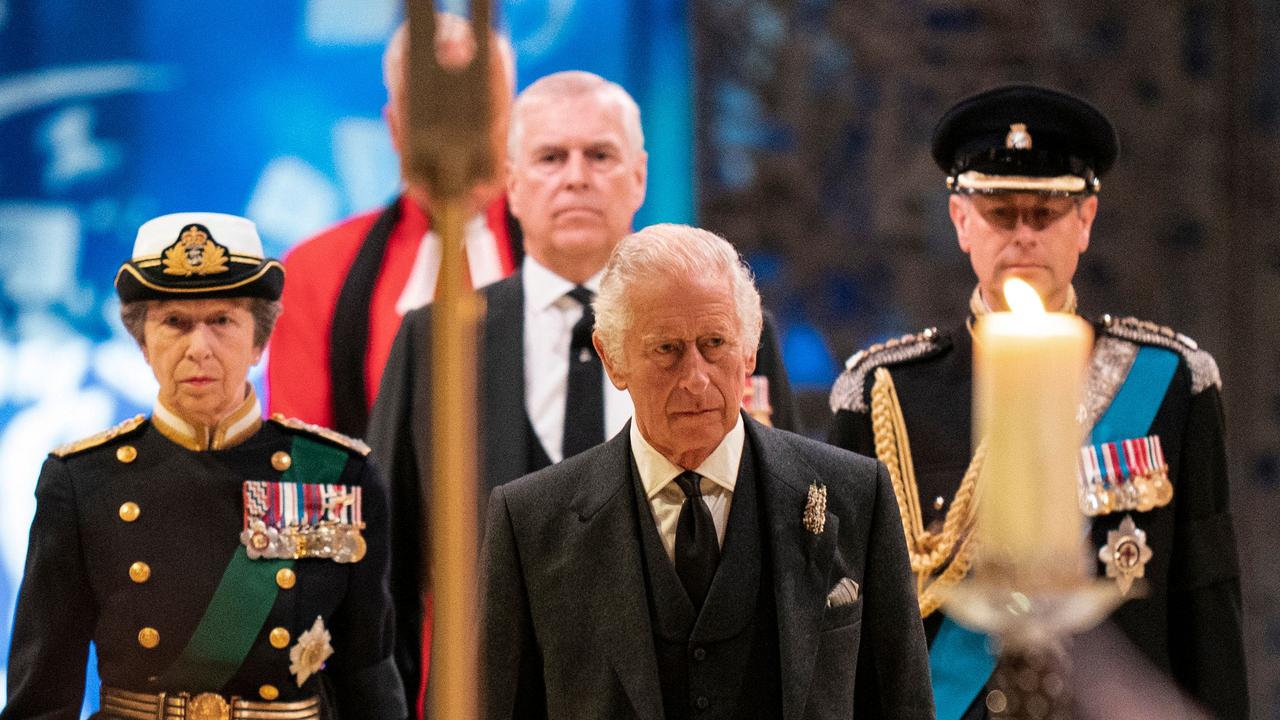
<point x="1032" y="623"/>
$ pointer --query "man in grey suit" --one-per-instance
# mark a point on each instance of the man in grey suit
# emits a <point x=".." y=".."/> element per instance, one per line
<point x="576" y="175"/>
<point x="699" y="564"/>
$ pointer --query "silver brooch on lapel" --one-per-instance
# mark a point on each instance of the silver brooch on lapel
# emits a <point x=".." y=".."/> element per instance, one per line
<point x="815" y="509"/>
<point x="1126" y="554"/>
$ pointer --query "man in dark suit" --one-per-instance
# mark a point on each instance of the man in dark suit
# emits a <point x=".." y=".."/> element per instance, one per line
<point x="575" y="178"/>
<point x="699" y="563"/>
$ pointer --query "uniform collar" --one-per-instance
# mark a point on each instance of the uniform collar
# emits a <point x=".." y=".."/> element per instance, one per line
<point x="978" y="305"/>
<point x="543" y="288"/>
<point x="720" y="467"/>
<point x="231" y="431"/>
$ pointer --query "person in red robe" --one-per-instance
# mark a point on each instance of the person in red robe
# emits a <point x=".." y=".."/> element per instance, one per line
<point x="356" y="280"/>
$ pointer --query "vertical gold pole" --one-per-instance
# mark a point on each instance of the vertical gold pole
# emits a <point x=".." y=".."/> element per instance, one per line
<point x="448" y="151"/>
<point x="453" y="524"/>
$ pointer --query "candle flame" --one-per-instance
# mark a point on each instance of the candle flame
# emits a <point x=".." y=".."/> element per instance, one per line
<point x="1021" y="298"/>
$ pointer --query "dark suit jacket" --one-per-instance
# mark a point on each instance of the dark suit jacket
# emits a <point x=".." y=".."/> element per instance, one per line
<point x="400" y="438"/>
<point x="566" y="628"/>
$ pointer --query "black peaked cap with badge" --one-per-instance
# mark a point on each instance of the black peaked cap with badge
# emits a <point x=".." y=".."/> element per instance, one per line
<point x="197" y="255"/>
<point x="1024" y="138"/>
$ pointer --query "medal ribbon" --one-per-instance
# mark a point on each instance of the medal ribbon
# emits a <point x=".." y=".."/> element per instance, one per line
<point x="240" y="606"/>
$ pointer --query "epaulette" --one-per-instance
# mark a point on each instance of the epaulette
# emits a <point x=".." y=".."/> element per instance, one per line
<point x="337" y="438"/>
<point x="1204" y="369"/>
<point x="99" y="438"/>
<point x="849" y="394"/>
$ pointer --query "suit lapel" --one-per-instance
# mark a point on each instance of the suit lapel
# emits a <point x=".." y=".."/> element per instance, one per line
<point x="801" y="561"/>
<point x="608" y="552"/>
<point x="506" y="441"/>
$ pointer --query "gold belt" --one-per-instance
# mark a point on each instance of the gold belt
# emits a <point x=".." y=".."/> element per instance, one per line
<point x="202" y="706"/>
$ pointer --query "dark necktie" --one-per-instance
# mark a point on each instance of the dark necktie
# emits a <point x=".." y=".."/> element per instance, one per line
<point x="584" y="400"/>
<point x="697" y="550"/>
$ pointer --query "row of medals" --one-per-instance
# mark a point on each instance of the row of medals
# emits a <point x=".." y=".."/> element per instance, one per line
<point x="1138" y="492"/>
<point x="340" y="542"/>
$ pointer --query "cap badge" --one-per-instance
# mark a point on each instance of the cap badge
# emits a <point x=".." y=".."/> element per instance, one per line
<point x="1018" y="137"/>
<point x="195" y="252"/>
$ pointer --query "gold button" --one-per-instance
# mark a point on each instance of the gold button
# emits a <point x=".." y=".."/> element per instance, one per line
<point x="148" y="637"/>
<point x="281" y="460"/>
<point x="139" y="572"/>
<point x="997" y="702"/>
<point x="126" y="453"/>
<point x="130" y="511"/>
<point x="286" y="578"/>
<point x="268" y="692"/>
<point x="279" y="638"/>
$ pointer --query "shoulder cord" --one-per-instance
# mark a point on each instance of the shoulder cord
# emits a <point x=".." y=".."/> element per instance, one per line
<point x="928" y="551"/>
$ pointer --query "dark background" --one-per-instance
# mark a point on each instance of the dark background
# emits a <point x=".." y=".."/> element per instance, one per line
<point x="813" y="127"/>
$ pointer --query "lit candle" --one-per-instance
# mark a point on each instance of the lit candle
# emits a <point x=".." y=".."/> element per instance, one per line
<point x="1028" y="374"/>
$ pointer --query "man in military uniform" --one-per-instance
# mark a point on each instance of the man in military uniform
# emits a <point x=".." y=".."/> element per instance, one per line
<point x="223" y="566"/>
<point x="1024" y="167"/>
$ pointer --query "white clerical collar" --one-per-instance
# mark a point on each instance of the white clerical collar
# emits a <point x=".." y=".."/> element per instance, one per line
<point x="721" y="466"/>
<point x="543" y="288"/>
<point x="230" y="431"/>
<point x="483" y="263"/>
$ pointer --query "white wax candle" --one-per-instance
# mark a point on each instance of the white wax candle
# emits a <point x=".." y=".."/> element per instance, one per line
<point x="1029" y="371"/>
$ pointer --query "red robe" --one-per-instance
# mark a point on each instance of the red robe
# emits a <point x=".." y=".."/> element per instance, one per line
<point x="298" y="364"/>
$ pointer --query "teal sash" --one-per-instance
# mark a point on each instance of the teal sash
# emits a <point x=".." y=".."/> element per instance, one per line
<point x="960" y="660"/>
<point x="1138" y="399"/>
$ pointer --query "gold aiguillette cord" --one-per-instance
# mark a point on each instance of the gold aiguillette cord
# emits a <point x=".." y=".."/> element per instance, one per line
<point x="939" y="560"/>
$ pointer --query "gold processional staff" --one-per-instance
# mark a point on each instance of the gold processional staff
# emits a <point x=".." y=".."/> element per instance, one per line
<point x="448" y="150"/>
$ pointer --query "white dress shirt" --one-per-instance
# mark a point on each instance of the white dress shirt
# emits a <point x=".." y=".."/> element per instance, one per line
<point x="549" y="317"/>
<point x="483" y="262"/>
<point x="719" y="477"/>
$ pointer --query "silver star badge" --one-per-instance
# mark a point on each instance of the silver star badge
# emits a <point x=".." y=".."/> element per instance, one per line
<point x="307" y="656"/>
<point x="1126" y="554"/>
<point x="815" y="509"/>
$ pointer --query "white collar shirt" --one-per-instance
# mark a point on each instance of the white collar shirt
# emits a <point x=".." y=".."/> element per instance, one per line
<point x="549" y="317"/>
<point x="719" y="478"/>
<point x="483" y="263"/>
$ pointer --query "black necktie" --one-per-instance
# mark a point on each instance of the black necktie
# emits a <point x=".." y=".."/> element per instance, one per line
<point x="697" y="550"/>
<point x="584" y="400"/>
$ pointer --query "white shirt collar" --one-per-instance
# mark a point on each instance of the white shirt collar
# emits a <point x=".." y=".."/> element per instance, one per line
<point x="720" y="467"/>
<point x="543" y="288"/>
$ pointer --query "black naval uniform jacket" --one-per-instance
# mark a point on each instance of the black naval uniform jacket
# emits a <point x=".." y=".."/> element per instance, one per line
<point x="1189" y="623"/>
<point x="77" y="586"/>
<point x="399" y="432"/>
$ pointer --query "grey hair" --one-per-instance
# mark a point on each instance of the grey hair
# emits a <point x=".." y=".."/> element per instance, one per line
<point x="569" y="84"/>
<point x="669" y="250"/>
<point x="394" y="58"/>
<point x="265" y="313"/>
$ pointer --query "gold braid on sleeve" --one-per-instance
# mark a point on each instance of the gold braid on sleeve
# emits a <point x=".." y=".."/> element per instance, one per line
<point x="938" y="559"/>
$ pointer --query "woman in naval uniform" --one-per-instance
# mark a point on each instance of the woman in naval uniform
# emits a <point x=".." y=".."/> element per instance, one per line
<point x="223" y="566"/>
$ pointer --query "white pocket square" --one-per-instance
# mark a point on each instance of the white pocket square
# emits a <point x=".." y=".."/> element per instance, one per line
<point x="844" y="593"/>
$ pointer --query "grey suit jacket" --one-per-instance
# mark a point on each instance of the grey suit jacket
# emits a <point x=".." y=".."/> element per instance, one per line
<point x="566" y="630"/>
<point x="399" y="435"/>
